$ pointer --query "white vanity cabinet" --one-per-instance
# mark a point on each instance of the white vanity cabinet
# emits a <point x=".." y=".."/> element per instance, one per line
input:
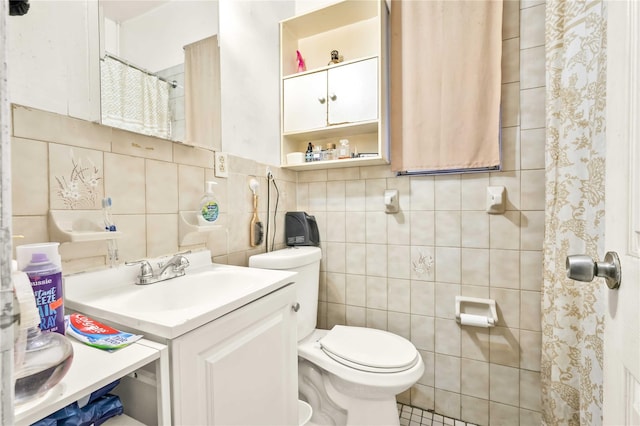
<point x="230" y="331"/>
<point x="333" y="101"/>
<point x="240" y="368"/>
<point x="342" y="94"/>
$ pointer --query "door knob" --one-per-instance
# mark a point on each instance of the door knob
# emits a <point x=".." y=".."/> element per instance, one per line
<point x="581" y="267"/>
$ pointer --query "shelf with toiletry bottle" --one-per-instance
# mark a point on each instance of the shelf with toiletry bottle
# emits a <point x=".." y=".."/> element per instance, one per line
<point x="334" y="85"/>
<point x="194" y="226"/>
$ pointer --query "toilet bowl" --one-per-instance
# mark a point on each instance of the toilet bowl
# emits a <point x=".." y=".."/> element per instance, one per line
<point x="349" y="375"/>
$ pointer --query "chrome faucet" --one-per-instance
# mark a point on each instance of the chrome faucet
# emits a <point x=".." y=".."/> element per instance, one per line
<point x="176" y="266"/>
<point x="173" y="268"/>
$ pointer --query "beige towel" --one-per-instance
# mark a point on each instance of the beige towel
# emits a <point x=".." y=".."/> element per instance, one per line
<point x="202" y="93"/>
<point x="445" y="84"/>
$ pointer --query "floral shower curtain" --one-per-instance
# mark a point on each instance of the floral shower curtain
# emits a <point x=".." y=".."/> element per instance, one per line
<point x="573" y="312"/>
<point x="134" y="100"/>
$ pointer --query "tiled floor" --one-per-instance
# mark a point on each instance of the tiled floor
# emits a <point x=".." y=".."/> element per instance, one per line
<point x="412" y="416"/>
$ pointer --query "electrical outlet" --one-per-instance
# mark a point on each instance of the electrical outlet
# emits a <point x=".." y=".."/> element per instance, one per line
<point x="269" y="175"/>
<point x="221" y="168"/>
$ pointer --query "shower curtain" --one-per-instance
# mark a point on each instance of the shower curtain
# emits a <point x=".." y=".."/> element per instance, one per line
<point x="573" y="312"/>
<point x="134" y="100"/>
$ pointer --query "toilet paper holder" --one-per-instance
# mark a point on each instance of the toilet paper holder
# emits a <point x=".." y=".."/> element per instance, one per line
<point x="476" y="312"/>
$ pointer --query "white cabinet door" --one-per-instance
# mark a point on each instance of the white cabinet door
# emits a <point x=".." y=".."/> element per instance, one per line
<point x="305" y="102"/>
<point x="240" y="369"/>
<point x="344" y="94"/>
<point x="353" y="92"/>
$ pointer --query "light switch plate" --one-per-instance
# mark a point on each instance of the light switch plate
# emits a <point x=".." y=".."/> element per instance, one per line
<point x="221" y="168"/>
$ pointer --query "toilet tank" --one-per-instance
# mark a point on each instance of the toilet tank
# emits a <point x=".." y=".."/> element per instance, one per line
<point x="306" y="262"/>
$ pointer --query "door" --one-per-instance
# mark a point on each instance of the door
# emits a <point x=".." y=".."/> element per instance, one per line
<point x="352" y="92"/>
<point x="304" y="102"/>
<point x="622" y="230"/>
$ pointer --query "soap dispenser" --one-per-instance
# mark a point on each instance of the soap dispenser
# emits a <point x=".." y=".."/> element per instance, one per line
<point x="208" y="210"/>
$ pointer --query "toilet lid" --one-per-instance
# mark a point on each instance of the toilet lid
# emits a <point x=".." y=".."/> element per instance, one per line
<point x="369" y="349"/>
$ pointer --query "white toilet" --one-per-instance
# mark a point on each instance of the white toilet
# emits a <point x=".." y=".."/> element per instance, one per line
<point x="349" y="375"/>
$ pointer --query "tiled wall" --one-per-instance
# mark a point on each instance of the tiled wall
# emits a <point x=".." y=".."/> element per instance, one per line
<point x="398" y="272"/>
<point x="62" y="163"/>
<point x="401" y="272"/>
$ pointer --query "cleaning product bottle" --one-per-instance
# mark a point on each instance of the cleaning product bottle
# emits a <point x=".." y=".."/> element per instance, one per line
<point x="209" y="209"/>
<point x="46" y="282"/>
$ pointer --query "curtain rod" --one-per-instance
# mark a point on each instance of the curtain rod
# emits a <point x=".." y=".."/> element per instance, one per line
<point x="172" y="83"/>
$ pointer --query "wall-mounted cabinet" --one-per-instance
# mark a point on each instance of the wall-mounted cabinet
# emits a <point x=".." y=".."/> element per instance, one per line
<point x="346" y="100"/>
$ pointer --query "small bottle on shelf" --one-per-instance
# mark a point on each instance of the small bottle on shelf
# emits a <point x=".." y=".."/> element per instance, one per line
<point x="308" y="156"/>
<point x="344" y="151"/>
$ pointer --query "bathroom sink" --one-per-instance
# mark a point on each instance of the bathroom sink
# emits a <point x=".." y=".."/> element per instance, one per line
<point x="170" y="308"/>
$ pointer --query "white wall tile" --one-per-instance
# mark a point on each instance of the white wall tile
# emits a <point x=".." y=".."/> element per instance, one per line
<point x="474" y="191"/>
<point x="532" y="148"/>
<point x="423" y="298"/>
<point x="336" y="226"/>
<point x="505" y="268"/>
<point x="504" y="384"/>
<point x="336" y="288"/>
<point x="355" y="227"/>
<point x="30" y="177"/>
<point x="475" y="379"/>
<point x="447" y="373"/>
<point x="355" y="196"/>
<point x="447" y="192"/>
<point x="423" y="228"/>
<point x="446" y="300"/>
<point x="376" y="259"/>
<point x="374" y="190"/>
<point x="399" y="228"/>
<point x="398" y="295"/>
<point x="447" y="337"/>
<point x="532" y="27"/>
<point x="447" y="228"/>
<point x="475" y="229"/>
<point x="161" y="187"/>
<point x="475" y="267"/>
<point x="422" y="332"/>
<point x="422" y="193"/>
<point x="125" y="183"/>
<point x="399" y="261"/>
<point x="336" y="196"/>
<point x="356" y="290"/>
<point x="356" y="258"/>
<point x="532" y="67"/>
<point x="448" y="264"/>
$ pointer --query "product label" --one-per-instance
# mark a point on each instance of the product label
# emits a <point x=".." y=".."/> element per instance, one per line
<point x="47" y="290"/>
<point x="210" y="211"/>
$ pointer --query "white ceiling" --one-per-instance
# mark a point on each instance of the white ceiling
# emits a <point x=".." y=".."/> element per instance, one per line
<point x="121" y="10"/>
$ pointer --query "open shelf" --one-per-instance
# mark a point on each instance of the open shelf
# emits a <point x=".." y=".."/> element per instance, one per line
<point x="79" y="226"/>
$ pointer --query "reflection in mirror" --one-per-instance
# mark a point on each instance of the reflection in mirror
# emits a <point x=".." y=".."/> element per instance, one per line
<point x="142" y="55"/>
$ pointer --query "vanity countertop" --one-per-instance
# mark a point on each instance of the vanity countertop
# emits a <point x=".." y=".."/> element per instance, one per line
<point x="170" y="308"/>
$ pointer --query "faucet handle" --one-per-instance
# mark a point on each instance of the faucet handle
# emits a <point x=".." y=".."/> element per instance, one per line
<point x="182" y="264"/>
<point x="146" y="270"/>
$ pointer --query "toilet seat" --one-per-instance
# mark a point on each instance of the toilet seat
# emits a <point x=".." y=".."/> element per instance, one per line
<point x="369" y="349"/>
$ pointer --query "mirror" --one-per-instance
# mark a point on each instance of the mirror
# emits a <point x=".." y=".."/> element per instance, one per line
<point x="142" y="65"/>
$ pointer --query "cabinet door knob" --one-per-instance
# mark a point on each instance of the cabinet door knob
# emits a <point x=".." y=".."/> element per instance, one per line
<point x="333" y="97"/>
<point x="295" y="307"/>
<point x="322" y="100"/>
